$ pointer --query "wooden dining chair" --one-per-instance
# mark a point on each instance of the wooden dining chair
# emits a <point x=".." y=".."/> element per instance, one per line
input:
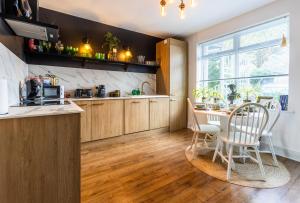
<point x="209" y="131"/>
<point x="245" y="126"/>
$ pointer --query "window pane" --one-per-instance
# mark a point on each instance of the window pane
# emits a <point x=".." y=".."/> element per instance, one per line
<point x="218" y="47"/>
<point x="262" y="62"/>
<point x="220" y="67"/>
<point x="264" y="34"/>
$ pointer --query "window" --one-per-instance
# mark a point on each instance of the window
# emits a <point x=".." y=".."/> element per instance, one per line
<point x="253" y="59"/>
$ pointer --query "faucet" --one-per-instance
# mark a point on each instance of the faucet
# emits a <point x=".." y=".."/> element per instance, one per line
<point x="142" y="89"/>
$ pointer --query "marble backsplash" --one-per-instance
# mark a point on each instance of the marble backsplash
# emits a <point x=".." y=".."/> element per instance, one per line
<point x="13" y="69"/>
<point x="74" y="78"/>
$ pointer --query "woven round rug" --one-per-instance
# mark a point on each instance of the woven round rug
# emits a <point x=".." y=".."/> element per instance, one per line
<point x="245" y="174"/>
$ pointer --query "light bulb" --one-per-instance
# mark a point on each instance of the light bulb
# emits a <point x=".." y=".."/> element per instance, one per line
<point x="163" y="11"/>
<point x="163" y="4"/>
<point x="181" y="9"/>
<point x="192" y="2"/>
<point x="182" y="14"/>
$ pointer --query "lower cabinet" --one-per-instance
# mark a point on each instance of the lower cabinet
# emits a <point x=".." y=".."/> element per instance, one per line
<point x="136" y="115"/>
<point x="86" y="119"/>
<point x="107" y="119"/>
<point x="159" y="113"/>
<point x="178" y="114"/>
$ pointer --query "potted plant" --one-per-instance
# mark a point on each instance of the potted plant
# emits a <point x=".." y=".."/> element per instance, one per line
<point x="201" y="92"/>
<point x="111" y="44"/>
<point x="248" y="92"/>
<point x="233" y="95"/>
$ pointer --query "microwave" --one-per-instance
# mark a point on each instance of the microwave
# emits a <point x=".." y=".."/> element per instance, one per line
<point x="53" y="92"/>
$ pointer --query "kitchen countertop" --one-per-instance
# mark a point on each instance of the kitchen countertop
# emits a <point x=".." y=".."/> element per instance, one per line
<point x="118" y="98"/>
<point x="34" y="111"/>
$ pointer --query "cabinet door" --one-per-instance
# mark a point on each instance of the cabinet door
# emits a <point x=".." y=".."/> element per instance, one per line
<point x="178" y="68"/>
<point x="86" y="125"/>
<point x="107" y="119"/>
<point x="177" y="113"/>
<point x="136" y="115"/>
<point x="159" y="113"/>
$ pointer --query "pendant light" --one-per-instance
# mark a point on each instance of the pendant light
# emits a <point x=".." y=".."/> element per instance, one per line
<point x="163" y="4"/>
<point x="283" y="41"/>
<point x="181" y="9"/>
<point x="192" y="2"/>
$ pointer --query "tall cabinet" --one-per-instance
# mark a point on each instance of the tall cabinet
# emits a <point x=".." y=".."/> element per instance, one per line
<point x="171" y="79"/>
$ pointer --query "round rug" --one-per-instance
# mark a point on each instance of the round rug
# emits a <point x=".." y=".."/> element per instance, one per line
<point x="245" y="174"/>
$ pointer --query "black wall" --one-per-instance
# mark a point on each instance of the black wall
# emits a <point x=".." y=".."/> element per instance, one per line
<point x="73" y="29"/>
<point x="13" y="43"/>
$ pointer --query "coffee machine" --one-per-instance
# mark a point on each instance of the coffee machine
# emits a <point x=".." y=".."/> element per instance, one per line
<point x="33" y="89"/>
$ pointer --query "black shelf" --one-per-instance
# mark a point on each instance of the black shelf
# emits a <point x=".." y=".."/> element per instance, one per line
<point x="63" y="60"/>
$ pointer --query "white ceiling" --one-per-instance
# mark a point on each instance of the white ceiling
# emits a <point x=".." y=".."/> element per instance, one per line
<point x="144" y="15"/>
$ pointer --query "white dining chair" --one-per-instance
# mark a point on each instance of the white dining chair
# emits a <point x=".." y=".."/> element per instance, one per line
<point x="210" y="131"/>
<point x="213" y="120"/>
<point x="274" y="109"/>
<point x="245" y="126"/>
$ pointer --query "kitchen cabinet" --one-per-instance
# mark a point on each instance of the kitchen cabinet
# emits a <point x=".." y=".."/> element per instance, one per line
<point x="86" y="120"/>
<point x="136" y="115"/>
<point x="171" y="79"/>
<point x="159" y="113"/>
<point x="107" y="119"/>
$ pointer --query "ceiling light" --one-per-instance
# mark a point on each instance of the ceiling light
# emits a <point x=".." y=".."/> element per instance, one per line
<point x="192" y="2"/>
<point x="181" y="9"/>
<point x="163" y="4"/>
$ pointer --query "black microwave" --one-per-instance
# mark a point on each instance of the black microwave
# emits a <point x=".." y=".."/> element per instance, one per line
<point x="53" y="92"/>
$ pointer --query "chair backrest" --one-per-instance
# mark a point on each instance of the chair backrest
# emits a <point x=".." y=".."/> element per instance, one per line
<point x="247" y="122"/>
<point x="211" y="117"/>
<point x="274" y="109"/>
<point x="192" y="110"/>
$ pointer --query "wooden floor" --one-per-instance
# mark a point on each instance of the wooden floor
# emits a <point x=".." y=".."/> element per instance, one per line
<point x="153" y="168"/>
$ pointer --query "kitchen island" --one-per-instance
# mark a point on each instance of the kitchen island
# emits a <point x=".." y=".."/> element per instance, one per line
<point x="40" y="154"/>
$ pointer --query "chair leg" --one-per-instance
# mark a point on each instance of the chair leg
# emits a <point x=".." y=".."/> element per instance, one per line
<point x="229" y="162"/>
<point x="216" y="150"/>
<point x="261" y="167"/>
<point x="193" y="140"/>
<point x="195" y="146"/>
<point x="272" y="151"/>
<point x="221" y="151"/>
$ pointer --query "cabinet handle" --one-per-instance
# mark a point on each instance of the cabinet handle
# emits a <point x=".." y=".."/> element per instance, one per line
<point x="135" y="102"/>
<point x="153" y="101"/>
<point x="173" y="100"/>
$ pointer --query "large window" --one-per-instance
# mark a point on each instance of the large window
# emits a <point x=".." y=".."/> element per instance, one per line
<point x="253" y="59"/>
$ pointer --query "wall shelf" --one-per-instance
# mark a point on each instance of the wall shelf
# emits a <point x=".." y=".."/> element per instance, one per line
<point x="63" y="60"/>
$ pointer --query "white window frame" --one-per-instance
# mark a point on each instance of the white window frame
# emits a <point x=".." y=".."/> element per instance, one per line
<point x="238" y="49"/>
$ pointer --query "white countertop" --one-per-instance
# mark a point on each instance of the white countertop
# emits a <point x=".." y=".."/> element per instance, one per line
<point x="118" y="98"/>
<point x="34" y="111"/>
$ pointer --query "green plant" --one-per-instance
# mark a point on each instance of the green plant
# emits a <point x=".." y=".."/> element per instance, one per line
<point x="201" y="93"/>
<point x="110" y="41"/>
<point x="248" y="92"/>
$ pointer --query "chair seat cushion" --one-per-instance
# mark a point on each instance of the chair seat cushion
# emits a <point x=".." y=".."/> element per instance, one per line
<point x="217" y="123"/>
<point x="206" y="128"/>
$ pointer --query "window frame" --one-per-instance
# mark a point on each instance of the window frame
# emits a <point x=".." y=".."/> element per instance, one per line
<point x="237" y="49"/>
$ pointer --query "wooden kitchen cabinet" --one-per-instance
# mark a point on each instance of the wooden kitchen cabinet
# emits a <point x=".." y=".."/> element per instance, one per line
<point x="136" y="115"/>
<point x="159" y="112"/>
<point x="177" y="113"/>
<point x="171" y="79"/>
<point x="107" y="119"/>
<point x="86" y="120"/>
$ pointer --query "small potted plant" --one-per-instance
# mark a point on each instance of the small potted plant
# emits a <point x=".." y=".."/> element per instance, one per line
<point x="249" y="92"/>
<point x="233" y="95"/>
<point x="201" y="92"/>
<point x="111" y="44"/>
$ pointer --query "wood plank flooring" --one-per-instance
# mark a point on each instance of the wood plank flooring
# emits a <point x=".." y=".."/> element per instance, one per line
<point x="153" y="168"/>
